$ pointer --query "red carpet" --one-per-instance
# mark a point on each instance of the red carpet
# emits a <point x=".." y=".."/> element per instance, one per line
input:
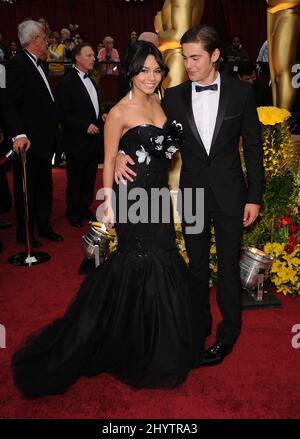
<point x="260" y="379"/>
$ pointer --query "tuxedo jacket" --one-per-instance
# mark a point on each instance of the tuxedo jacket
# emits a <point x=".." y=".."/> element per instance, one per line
<point x="28" y="108"/>
<point x="221" y="170"/>
<point x="76" y="112"/>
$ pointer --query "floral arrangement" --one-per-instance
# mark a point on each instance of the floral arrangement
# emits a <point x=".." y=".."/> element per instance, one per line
<point x="277" y="143"/>
<point x="277" y="231"/>
<point x="285" y="270"/>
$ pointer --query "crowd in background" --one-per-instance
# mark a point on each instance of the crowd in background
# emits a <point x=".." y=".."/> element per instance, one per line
<point x="107" y="76"/>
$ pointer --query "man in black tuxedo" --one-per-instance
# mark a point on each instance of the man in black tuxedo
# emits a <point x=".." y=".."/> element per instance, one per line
<point x="79" y="107"/>
<point x="214" y="111"/>
<point x="30" y="119"/>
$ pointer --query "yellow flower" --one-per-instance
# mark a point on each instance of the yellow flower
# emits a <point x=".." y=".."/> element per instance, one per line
<point x="272" y="115"/>
<point x="284" y="289"/>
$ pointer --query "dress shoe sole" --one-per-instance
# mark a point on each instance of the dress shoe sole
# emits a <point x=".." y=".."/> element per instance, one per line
<point x="75" y="224"/>
<point x="211" y="363"/>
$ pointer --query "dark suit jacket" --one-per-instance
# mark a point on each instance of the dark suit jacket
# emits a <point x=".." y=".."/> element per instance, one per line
<point x="76" y="112"/>
<point x="28" y="107"/>
<point x="221" y="169"/>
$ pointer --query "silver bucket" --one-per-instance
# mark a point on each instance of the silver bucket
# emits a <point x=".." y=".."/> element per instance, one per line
<point x="252" y="263"/>
<point x="96" y="241"/>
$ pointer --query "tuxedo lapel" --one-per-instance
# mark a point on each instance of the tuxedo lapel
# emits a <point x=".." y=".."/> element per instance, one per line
<point x="38" y="76"/>
<point x="187" y="101"/>
<point x="223" y="101"/>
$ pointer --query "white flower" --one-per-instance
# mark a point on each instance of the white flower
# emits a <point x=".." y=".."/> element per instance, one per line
<point x="178" y="125"/>
<point x="170" y="151"/>
<point x="158" y="141"/>
<point x="143" y="155"/>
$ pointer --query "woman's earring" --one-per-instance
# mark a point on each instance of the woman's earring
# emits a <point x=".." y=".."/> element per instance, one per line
<point x="130" y="91"/>
<point x="159" y="93"/>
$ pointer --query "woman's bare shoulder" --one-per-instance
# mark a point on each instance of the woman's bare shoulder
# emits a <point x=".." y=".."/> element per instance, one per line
<point x="117" y="112"/>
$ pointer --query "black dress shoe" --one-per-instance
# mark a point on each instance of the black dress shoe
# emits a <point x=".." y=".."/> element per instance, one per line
<point x="76" y="224"/>
<point x="74" y="221"/>
<point x="216" y="354"/>
<point x="4" y="224"/>
<point x="35" y="243"/>
<point x="52" y="236"/>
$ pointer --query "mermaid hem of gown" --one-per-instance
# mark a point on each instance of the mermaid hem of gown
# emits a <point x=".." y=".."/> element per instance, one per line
<point x="138" y="316"/>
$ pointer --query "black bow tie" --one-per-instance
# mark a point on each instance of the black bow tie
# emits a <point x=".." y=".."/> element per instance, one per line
<point x="213" y="87"/>
<point x="38" y="62"/>
<point x="86" y="75"/>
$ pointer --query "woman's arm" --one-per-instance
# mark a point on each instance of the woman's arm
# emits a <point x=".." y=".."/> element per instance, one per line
<point x="113" y="129"/>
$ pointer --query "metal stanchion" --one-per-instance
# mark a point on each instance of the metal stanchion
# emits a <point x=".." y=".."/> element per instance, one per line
<point x="27" y="258"/>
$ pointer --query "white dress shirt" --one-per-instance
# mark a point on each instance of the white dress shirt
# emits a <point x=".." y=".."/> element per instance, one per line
<point x="91" y="90"/>
<point x="263" y="55"/>
<point x="205" y="108"/>
<point x="2" y="76"/>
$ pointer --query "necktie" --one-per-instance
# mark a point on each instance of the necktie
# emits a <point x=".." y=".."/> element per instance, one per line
<point x="213" y="87"/>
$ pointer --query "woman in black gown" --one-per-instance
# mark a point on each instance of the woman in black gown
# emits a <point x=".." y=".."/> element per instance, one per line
<point x="137" y="316"/>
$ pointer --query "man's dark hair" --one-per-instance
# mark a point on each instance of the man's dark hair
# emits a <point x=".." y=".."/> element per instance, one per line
<point x="77" y="50"/>
<point x="136" y="58"/>
<point x="205" y="34"/>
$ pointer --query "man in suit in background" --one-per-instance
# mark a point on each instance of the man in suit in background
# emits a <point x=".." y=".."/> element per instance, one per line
<point x="79" y="108"/>
<point x="262" y="91"/>
<point x="214" y="111"/>
<point x="30" y="120"/>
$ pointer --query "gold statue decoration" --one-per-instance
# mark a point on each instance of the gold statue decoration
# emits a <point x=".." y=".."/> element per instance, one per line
<point x="283" y="36"/>
<point x="175" y="18"/>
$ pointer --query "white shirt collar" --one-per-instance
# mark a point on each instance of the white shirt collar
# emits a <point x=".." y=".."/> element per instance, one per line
<point x="81" y="74"/>
<point x="31" y="55"/>
<point x="216" y="81"/>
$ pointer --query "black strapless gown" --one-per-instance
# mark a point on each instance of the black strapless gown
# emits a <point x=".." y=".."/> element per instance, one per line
<point x="137" y="316"/>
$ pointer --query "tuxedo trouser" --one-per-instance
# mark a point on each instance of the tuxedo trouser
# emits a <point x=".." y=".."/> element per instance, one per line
<point x="5" y="195"/>
<point x="39" y="191"/>
<point x="228" y="235"/>
<point x="81" y="175"/>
